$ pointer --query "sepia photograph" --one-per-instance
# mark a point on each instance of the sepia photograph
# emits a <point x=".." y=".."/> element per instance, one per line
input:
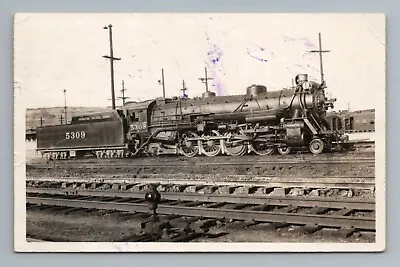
<point x="180" y="132"/>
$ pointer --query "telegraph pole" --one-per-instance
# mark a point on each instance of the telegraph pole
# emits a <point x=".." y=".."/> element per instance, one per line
<point x="123" y="93"/>
<point x="162" y="82"/>
<point x="112" y="59"/>
<point x="184" y="89"/>
<point x="320" y="51"/>
<point x="205" y="79"/>
<point x="65" y="106"/>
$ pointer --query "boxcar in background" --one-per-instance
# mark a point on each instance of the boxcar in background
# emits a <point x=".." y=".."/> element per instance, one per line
<point x="360" y="121"/>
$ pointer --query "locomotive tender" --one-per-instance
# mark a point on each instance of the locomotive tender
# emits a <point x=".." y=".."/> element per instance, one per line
<point x="258" y="121"/>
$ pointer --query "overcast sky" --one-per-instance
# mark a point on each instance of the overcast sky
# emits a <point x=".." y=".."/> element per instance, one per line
<point x="64" y="51"/>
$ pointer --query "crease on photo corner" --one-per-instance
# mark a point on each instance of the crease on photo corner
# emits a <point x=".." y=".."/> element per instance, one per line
<point x="380" y="39"/>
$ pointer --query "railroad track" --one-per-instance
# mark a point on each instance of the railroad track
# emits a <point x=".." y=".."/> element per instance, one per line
<point x="117" y="186"/>
<point x="319" y="213"/>
<point x="192" y="197"/>
<point x="209" y="183"/>
<point x="168" y="162"/>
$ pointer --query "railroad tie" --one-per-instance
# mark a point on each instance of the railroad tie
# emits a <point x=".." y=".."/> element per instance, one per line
<point x="317" y="210"/>
<point x="308" y="229"/>
<point x="214" y="205"/>
<point x="288" y="209"/>
<point x="344" y="212"/>
<point x="260" y="207"/>
<point x="345" y="232"/>
<point x="191" y="204"/>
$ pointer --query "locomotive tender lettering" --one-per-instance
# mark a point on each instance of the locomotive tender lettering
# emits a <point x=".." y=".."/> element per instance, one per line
<point x="97" y="117"/>
<point x="83" y="119"/>
<point x="75" y="135"/>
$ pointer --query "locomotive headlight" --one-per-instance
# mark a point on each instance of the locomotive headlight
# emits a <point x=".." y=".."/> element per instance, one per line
<point x="306" y="85"/>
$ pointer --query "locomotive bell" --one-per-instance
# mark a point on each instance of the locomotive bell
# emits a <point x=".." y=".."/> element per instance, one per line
<point x="255" y="90"/>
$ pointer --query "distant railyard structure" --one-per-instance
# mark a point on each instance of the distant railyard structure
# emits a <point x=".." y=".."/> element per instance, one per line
<point x="352" y="121"/>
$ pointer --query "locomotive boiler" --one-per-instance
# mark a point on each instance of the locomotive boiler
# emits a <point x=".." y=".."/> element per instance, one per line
<point x="258" y="121"/>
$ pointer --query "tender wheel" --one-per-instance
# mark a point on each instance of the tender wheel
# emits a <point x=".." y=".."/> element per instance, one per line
<point x="284" y="150"/>
<point x="262" y="149"/>
<point x="187" y="147"/>
<point x="212" y="147"/>
<point x="316" y="146"/>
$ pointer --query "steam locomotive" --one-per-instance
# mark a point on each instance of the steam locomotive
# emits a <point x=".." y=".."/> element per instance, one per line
<point x="258" y="121"/>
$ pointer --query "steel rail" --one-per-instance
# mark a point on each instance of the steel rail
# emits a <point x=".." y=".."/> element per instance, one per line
<point x="367" y="223"/>
<point x="192" y="177"/>
<point x="259" y="200"/>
